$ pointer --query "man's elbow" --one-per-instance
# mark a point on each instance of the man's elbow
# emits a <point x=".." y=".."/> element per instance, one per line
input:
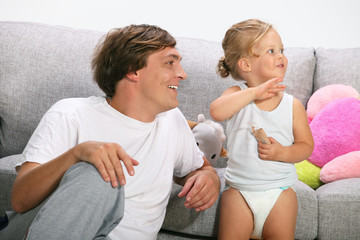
<point x="18" y="206"/>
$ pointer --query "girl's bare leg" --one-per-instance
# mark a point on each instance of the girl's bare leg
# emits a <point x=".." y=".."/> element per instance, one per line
<point x="281" y="222"/>
<point x="236" y="218"/>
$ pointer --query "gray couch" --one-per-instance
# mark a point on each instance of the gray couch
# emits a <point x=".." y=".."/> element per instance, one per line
<point x="40" y="64"/>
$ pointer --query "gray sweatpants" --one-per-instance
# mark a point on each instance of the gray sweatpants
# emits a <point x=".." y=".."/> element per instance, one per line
<point x="83" y="206"/>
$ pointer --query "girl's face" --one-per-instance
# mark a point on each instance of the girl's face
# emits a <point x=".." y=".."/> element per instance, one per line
<point x="271" y="61"/>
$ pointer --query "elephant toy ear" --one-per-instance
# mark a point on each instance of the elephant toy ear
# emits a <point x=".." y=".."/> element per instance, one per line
<point x="223" y="152"/>
<point x="191" y="124"/>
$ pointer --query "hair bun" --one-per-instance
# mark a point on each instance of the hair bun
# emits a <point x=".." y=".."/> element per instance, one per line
<point x="223" y="68"/>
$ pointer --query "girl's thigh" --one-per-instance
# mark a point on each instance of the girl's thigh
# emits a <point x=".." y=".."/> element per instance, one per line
<point x="281" y="222"/>
<point x="236" y="218"/>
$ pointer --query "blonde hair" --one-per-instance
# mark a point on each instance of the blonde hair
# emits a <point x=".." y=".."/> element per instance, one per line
<point x="238" y="42"/>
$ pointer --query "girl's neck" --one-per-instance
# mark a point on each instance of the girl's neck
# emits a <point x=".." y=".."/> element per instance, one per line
<point x="270" y="104"/>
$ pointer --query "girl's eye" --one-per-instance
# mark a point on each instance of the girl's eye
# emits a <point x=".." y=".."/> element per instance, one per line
<point x="271" y="51"/>
<point x="282" y="51"/>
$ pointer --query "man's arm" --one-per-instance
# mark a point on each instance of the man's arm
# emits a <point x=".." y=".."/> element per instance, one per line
<point x="201" y="187"/>
<point x="35" y="182"/>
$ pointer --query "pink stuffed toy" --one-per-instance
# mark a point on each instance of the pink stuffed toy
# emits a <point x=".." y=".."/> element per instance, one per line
<point x="345" y="166"/>
<point x="327" y="94"/>
<point x="336" y="130"/>
<point x="334" y="118"/>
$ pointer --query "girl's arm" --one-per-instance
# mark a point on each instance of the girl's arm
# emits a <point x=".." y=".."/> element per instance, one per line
<point x="233" y="99"/>
<point x="303" y="140"/>
<point x="230" y="102"/>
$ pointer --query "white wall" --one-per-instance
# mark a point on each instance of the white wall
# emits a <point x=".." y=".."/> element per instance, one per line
<point x="303" y="23"/>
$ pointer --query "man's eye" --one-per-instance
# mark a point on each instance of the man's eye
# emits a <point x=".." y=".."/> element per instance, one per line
<point x="171" y="62"/>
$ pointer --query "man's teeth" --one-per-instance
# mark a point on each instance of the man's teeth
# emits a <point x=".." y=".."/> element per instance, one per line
<point x="173" y="87"/>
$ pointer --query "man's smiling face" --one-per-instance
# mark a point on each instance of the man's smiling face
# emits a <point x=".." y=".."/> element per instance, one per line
<point x="160" y="78"/>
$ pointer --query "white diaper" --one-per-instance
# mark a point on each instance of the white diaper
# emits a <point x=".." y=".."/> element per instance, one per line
<point x="261" y="204"/>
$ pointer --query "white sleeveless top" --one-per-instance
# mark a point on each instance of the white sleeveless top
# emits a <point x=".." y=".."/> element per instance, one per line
<point x="245" y="170"/>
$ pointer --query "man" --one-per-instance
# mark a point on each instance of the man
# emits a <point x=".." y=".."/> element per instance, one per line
<point x="104" y="166"/>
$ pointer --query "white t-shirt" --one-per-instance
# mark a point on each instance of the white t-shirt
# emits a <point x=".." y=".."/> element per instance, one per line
<point x="164" y="147"/>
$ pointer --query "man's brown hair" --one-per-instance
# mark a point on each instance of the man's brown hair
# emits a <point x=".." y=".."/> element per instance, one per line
<point x="125" y="50"/>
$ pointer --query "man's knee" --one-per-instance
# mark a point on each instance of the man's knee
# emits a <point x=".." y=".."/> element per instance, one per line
<point x="87" y="180"/>
<point x="82" y="183"/>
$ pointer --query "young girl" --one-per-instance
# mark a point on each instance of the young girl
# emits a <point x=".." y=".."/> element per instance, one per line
<point x="259" y="201"/>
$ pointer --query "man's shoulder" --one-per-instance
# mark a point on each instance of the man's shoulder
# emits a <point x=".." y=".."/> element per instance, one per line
<point x="173" y="114"/>
<point x="175" y="120"/>
<point x="69" y="105"/>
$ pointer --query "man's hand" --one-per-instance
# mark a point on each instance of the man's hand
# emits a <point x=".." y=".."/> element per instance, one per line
<point x="106" y="158"/>
<point x="201" y="188"/>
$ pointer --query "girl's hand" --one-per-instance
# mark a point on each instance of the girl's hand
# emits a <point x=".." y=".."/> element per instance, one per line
<point x="271" y="151"/>
<point x="268" y="89"/>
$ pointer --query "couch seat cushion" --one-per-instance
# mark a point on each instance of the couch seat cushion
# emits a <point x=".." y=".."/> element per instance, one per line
<point x="7" y="178"/>
<point x="307" y="219"/>
<point x="182" y="221"/>
<point x="339" y="209"/>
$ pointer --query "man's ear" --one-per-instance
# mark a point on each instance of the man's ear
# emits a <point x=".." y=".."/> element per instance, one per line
<point x="133" y="76"/>
<point x="244" y="64"/>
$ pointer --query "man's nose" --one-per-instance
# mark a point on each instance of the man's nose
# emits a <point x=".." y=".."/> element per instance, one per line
<point x="181" y="73"/>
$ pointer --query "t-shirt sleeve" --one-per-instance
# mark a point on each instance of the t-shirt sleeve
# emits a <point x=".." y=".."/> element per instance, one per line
<point x="190" y="157"/>
<point x="55" y="134"/>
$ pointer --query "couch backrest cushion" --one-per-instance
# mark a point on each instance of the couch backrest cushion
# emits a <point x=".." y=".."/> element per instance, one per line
<point x="337" y="66"/>
<point x="39" y="64"/>
<point x="203" y="85"/>
<point x="300" y="72"/>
